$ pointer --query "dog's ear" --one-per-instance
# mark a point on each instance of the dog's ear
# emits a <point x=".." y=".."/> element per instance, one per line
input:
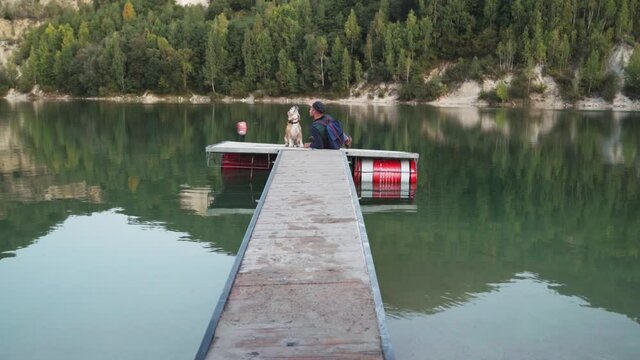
<point x="296" y="107"/>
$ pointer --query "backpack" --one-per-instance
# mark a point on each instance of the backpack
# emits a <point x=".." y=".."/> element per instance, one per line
<point x="335" y="135"/>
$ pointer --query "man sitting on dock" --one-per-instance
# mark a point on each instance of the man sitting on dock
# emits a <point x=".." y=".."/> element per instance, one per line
<point x="326" y="132"/>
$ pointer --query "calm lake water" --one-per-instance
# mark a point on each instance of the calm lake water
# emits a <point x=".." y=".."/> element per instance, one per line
<point x="522" y="241"/>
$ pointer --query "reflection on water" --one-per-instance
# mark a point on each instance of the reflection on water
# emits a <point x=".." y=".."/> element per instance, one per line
<point x="196" y="199"/>
<point x="524" y="317"/>
<point x="536" y="213"/>
<point x="108" y="286"/>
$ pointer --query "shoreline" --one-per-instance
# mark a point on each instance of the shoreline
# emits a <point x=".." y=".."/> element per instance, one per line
<point x="452" y="100"/>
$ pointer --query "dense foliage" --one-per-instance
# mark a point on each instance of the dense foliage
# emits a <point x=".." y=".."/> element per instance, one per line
<point x="301" y="46"/>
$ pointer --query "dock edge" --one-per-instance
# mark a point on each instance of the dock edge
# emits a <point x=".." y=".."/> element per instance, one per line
<point x="385" y="340"/>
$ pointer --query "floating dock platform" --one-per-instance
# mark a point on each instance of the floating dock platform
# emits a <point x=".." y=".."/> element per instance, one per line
<point x="235" y="147"/>
<point x="378" y="174"/>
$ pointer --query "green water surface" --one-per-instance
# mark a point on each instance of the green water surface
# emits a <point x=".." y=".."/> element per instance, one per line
<point x="522" y="242"/>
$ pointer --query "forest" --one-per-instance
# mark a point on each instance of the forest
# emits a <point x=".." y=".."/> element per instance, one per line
<point x="323" y="47"/>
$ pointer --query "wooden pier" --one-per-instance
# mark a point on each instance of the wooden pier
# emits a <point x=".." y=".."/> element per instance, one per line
<point x="303" y="285"/>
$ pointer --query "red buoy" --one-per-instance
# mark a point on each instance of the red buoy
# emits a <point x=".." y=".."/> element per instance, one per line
<point x="241" y="127"/>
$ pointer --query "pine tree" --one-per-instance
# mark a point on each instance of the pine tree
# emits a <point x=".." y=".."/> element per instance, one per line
<point x="352" y="31"/>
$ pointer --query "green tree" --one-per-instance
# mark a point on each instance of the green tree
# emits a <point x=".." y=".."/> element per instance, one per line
<point x="305" y="14"/>
<point x="346" y="69"/>
<point x="502" y="91"/>
<point x="623" y="20"/>
<point x="393" y="39"/>
<point x="249" y="56"/>
<point x="8" y="76"/>
<point x="505" y="52"/>
<point x="412" y="36"/>
<point x="527" y="51"/>
<point x="286" y="74"/>
<point x="186" y="68"/>
<point x="539" y="47"/>
<point x="63" y="61"/>
<point x="455" y="29"/>
<point x="44" y="57"/>
<point x="632" y="73"/>
<point x="490" y="12"/>
<point x="402" y="65"/>
<point x="217" y="52"/>
<point x="592" y="71"/>
<point x="118" y="60"/>
<point x="518" y="12"/>
<point x="426" y="37"/>
<point x="321" y="52"/>
<point x="83" y="34"/>
<point x="264" y="55"/>
<point x="368" y="51"/>
<point x="352" y="31"/>
<point x="335" y="63"/>
<point x="284" y="28"/>
<point x="357" y="72"/>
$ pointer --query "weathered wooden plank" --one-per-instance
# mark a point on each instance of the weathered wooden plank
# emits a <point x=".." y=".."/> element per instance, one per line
<point x="303" y="289"/>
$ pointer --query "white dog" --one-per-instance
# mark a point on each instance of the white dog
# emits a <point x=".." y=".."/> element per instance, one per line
<point x="293" y="134"/>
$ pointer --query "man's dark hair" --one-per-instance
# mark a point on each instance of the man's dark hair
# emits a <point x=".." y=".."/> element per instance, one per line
<point x="318" y="106"/>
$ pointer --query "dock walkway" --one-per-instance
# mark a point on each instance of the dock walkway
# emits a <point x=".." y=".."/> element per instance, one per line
<point x="303" y="285"/>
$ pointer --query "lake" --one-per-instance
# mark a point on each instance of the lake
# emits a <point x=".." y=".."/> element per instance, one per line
<point x="522" y="240"/>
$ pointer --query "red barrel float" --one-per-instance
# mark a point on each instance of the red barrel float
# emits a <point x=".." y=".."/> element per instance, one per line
<point x="385" y="178"/>
<point x="243" y="168"/>
<point x="246" y="161"/>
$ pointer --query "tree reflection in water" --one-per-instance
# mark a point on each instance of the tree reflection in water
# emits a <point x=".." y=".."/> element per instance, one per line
<point x="501" y="192"/>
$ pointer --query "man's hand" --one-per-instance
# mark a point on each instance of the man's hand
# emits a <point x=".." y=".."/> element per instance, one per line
<point x="348" y="141"/>
<point x="307" y="145"/>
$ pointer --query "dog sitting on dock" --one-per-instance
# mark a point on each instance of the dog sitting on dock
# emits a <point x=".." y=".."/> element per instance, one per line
<point x="293" y="133"/>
